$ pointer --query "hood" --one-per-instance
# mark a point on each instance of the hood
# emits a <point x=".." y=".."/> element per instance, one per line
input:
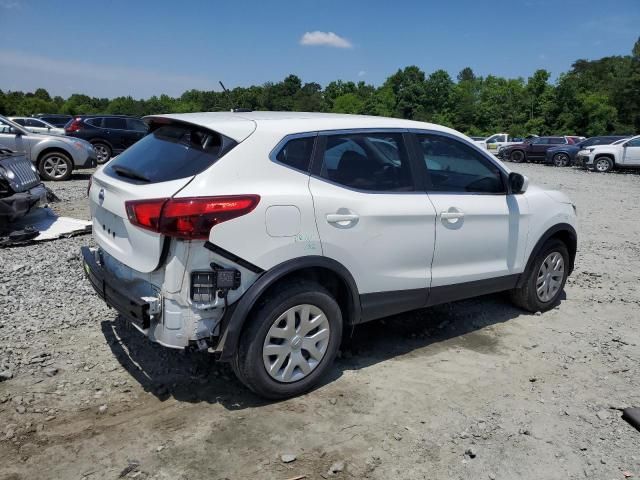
<point x="558" y="196"/>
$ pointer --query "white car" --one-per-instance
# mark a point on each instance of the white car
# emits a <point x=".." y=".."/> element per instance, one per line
<point x="624" y="153"/>
<point x="36" y="125"/>
<point x="263" y="236"/>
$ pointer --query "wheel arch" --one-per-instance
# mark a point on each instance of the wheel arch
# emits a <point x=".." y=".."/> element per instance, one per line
<point x="563" y="232"/>
<point x="48" y="150"/>
<point x="328" y="272"/>
<point x="94" y="140"/>
<point x="610" y="156"/>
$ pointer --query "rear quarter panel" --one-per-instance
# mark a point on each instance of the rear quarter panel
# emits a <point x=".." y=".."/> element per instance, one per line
<point x="282" y="226"/>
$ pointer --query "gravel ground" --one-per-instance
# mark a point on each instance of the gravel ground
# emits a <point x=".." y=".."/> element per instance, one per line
<point x="474" y="389"/>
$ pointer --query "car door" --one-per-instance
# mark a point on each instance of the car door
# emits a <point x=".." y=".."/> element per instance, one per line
<point x="481" y="231"/>
<point x="373" y="218"/>
<point x="631" y="152"/>
<point x="12" y="138"/>
<point x="117" y="133"/>
<point x="537" y="149"/>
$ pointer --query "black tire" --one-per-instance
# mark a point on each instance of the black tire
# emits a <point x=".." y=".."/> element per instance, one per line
<point x="55" y="166"/>
<point x="561" y="160"/>
<point x="603" y="165"/>
<point x="103" y="152"/>
<point x="527" y="296"/>
<point x="517" y="156"/>
<point x="248" y="363"/>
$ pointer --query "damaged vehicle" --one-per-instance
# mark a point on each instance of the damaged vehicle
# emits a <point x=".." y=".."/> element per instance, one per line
<point x="263" y="237"/>
<point x="20" y="187"/>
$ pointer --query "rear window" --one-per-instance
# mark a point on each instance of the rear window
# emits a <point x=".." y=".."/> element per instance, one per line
<point x="168" y="153"/>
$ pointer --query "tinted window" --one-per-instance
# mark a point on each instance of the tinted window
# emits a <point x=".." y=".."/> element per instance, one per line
<point x="114" y="122"/>
<point x="96" y="122"/>
<point x="32" y="122"/>
<point x="296" y="153"/>
<point x="634" y="143"/>
<point x="375" y="162"/>
<point x="137" y="125"/>
<point x="20" y="121"/>
<point x="556" y="140"/>
<point x="169" y="153"/>
<point x="456" y="167"/>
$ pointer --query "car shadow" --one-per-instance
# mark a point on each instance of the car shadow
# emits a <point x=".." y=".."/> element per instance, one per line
<point x="195" y="376"/>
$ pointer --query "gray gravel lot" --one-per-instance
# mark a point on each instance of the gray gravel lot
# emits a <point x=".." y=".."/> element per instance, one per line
<point x="471" y="390"/>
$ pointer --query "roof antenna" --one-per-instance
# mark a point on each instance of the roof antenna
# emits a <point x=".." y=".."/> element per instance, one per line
<point x="233" y="109"/>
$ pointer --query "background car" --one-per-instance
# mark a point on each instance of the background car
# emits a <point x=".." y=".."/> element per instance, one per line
<point x="37" y="125"/>
<point x="532" y="150"/>
<point x="55" y="156"/>
<point x="109" y="134"/>
<point x="55" y="119"/>
<point x="565" y="155"/>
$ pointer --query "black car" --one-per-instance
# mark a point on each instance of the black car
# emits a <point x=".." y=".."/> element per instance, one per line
<point x="57" y="120"/>
<point x="533" y="149"/>
<point x="20" y="187"/>
<point x="109" y="134"/>
<point x="565" y="155"/>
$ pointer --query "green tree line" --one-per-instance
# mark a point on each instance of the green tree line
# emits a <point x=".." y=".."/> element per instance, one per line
<point x="594" y="97"/>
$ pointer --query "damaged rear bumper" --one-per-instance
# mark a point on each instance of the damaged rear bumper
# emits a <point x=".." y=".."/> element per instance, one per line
<point x="19" y="204"/>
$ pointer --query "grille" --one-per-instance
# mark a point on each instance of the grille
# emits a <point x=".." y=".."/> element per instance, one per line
<point x="26" y="178"/>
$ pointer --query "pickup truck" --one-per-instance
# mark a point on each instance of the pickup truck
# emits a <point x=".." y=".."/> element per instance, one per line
<point x="497" y="140"/>
<point x="604" y="158"/>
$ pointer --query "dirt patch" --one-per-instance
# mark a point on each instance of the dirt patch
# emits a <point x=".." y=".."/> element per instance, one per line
<point x="474" y="389"/>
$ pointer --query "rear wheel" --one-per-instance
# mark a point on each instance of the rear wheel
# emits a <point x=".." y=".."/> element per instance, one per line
<point x="603" y="164"/>
<point x="545" y="279"/>
<point x="561" y="160"/>
<point x="103" y="152"/>
<point x="517" y="156"/>
<point x="290" y="341"/>
<point x="55" y="166"/>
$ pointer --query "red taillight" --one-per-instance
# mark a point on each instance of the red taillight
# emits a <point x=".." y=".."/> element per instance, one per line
<point x="189" y="218"/>
<point x="74" y="126"/>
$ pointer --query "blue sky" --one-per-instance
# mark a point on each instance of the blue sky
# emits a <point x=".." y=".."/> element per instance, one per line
<point x="144" y="48"/>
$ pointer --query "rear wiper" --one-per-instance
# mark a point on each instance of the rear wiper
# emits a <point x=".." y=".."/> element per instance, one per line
<point x="127" y="172"/>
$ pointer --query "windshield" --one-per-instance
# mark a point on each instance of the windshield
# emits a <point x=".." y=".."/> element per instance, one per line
<point x="168" y="153"/>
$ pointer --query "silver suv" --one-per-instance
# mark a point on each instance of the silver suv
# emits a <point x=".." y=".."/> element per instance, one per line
<point x="55" y="156"/>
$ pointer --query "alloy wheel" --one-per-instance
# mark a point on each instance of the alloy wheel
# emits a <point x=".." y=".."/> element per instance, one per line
<point x="296" y="343"/>
<point x="602" y="165"/>
<point x="561" y="160"/>
<point x="550" y="277"/>
<point x="102" y="153"/>
<point x="55" y="167"/>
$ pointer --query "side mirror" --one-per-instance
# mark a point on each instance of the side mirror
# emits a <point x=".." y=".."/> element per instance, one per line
<point x="517" y="183"/>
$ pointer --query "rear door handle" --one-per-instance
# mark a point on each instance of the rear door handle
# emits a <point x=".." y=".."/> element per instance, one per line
<point x="452" y="215"/>
<point x="343" y="220"/>
<point x="341" y="217"/>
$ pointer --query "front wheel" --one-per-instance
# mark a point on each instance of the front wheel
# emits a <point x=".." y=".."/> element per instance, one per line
<point x="603" y="165"/>
<point x="55" y="166"/>
<point x="561" y="160"/>
<point x="517" y="156"/>
<point x="545" y="279"/>
<point x="290" y="341"/>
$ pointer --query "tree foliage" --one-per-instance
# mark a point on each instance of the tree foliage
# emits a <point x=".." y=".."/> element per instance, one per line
<point x="594" y="97"/>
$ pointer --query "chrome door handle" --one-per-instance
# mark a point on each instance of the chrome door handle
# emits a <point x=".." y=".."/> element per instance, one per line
<point x="451" y="215"/>
<point x="342" y="217"/>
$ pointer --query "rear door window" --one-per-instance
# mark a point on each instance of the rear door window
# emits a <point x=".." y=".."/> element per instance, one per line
<point x="115" y="123"/>
<point x="375" y="162"/>
<point x="96" y="122"/>
<point x="136" y="125"/>
<point x="169" y="153"/>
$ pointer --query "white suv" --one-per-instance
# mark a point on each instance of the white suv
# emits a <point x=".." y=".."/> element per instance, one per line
<point x="263" y="236"/>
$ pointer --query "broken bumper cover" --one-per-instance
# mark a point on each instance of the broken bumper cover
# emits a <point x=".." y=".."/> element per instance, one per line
<point x="114" y="292"/>
<point x="19" y="204"/>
